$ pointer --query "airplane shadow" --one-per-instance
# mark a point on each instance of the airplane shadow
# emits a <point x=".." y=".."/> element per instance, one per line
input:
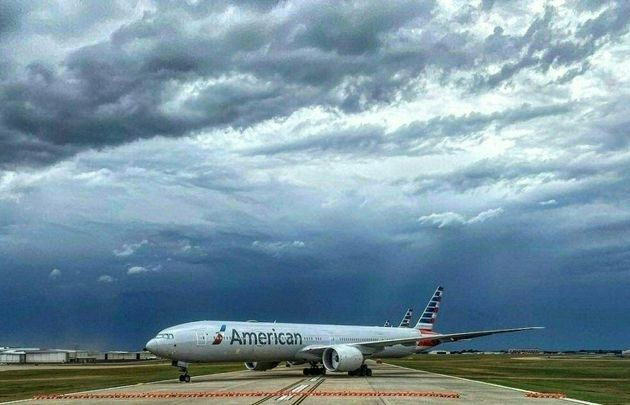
<point x="293" y="376"/>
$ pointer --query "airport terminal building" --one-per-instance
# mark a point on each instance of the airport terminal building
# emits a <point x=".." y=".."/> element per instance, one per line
<point x="61" y="356"/>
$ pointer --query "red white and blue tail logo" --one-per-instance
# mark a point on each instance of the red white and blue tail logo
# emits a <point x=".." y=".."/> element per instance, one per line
<point x="429" y="316"/>
<point x="406" y="321"/>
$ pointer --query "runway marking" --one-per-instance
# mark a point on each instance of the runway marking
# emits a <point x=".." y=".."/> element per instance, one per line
<point x="248" y="394"/>
<point x="279" y="391"/>
<point x="311" y="391"/>
<point x="126" y="386"/>
<point x="293" y="392"/>
<point x="556" y="395"/>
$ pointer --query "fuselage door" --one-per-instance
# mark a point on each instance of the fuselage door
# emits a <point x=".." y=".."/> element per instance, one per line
<point x="202" y="338"/>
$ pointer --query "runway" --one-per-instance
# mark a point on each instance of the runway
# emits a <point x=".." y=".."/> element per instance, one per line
<point x="388" y="385"/>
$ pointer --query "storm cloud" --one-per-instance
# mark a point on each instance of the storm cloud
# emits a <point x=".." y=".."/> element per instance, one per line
<point x="297" y="160"/>
<point x="177" y="69"/>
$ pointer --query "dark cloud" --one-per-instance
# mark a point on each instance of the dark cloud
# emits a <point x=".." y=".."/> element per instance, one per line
<point x="405" y="140"/>
<point x="365" y="139"/>
<point x="292" y="155"/>
<point x="602" y="176"/>
<point x="11" y="15"/>
<point x="543" y="45"/>
<point x="177" y="70"/>
<point x="70" y="23"/>
<point x="119" y="90"/>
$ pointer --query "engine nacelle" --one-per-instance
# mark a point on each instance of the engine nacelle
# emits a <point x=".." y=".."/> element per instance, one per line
<point x="261" y="366"/>
<point x="342" y="358"/>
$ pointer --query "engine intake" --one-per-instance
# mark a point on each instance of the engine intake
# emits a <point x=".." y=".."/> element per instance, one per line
<point x="261" y="366"/>
<point x="342" y="358"/>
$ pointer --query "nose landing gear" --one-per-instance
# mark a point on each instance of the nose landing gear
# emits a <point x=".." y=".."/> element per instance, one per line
<point x="183" y="367"/>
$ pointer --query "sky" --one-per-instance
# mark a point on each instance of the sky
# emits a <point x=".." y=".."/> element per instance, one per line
<point x="331" y="162"/>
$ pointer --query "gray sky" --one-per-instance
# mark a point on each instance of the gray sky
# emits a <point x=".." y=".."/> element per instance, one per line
<point x="164" y="161"/>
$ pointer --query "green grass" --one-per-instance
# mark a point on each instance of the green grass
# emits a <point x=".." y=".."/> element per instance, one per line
<point x="25" y="383"/>
<point x="604" y="380"/>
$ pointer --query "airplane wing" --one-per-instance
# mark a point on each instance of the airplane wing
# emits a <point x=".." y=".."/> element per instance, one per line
<point x="370" y="346"/>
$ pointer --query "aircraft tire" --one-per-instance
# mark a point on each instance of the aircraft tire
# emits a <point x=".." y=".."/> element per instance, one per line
<point x="187" y="378"/>
<point x="368" y="372"/>
<point x="181" y="378"/>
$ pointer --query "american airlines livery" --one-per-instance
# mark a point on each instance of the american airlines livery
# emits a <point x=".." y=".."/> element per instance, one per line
<point x="405" y="323"/>
<point x="337" y="348"/>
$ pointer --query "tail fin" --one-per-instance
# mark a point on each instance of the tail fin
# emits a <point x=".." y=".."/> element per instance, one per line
<point x="387" y="324"/>
<point x="406" y="321"/>
<point x="429" y="316"/>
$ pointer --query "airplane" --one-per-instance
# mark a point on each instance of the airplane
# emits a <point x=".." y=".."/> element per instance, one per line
<point x="337" y="348"/>
<point x="425" y="325"/>
<point x="405" y="323"/>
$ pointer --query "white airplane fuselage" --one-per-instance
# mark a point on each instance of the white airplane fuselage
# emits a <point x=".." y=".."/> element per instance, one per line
<point x="338" y="348"/>
<point x="204" y="341"/>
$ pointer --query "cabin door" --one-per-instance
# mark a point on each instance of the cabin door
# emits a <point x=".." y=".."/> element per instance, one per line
<point x="202" y="338"/>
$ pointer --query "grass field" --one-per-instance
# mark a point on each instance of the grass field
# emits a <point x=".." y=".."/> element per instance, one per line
<point x="604" y="380"/>
<point x="25" y="383"/>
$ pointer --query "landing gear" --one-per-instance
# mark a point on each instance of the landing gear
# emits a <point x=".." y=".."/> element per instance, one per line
<point x="183" y="367"/>
<point x="363" y="371"/>
<point x="314" y="370"/>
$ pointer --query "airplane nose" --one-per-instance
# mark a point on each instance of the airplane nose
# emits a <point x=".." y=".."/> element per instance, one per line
<point x="152" y="346"/>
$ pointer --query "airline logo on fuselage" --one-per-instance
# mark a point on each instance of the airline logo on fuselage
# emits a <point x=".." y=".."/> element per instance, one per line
<point x="265" y="338"/>
<point x="219" y="336"/>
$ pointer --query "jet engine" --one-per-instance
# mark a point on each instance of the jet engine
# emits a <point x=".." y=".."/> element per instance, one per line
<point x="342" y="358"/>
<point x="261" y="366"/>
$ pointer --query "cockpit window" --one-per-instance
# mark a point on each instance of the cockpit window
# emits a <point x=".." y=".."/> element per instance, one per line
<point x="165" y="336"/>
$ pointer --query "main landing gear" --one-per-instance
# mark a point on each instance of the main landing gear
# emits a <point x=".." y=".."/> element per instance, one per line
<point x="183" y="367"/>
<point x="364" y="371"/>
<point x="184" y="378"/>
<point x="314" y="370"/>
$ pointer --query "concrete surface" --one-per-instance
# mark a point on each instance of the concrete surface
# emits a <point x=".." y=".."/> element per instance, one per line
<point x="386" y="378"/>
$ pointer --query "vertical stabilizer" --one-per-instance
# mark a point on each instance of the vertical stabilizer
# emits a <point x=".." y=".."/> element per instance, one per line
<point x="429" y="316"/>
<point x="387" y="324"/>
<point x="406" y="321"/>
